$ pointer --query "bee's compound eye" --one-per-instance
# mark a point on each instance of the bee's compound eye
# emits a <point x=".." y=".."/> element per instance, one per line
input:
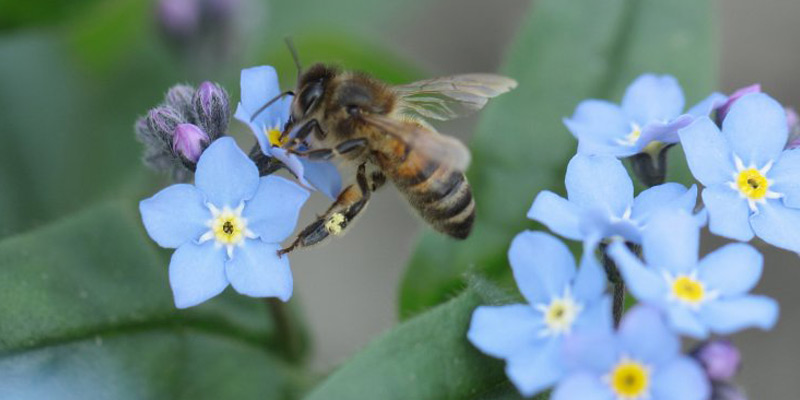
<point x="309" y="96"/>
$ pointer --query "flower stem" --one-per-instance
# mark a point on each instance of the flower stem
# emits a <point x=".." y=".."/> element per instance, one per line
<point x="286" y="331"/>
<point x="617" y="284"/>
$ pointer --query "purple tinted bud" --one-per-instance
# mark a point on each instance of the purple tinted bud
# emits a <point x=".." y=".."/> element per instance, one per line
<point x="720" y="359"/>
<point x="722" y="111"/>
<point x="726" y="391"/>
<point x="222" y="9"/>
<point x="212" y="108"/>
<point x="162" y="121"/>
<point x="180" y="98"/>
<point x="793" y="121"/>
<point x="180" y="19"/>
<point x="189" y="142"/>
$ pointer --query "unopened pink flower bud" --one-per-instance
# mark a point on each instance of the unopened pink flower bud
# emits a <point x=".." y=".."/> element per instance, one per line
<point x="720" y="359"/>
<point x="189" y="142"/>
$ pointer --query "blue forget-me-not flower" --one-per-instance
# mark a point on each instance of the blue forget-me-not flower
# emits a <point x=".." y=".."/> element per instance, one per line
<point x="641" y="361"/>
<point x="651" y="111"/>
<point x="561" y="301"/>
<point x="259" y="85"/>
<point x="226" y="228"/>
<point x="752" y="186"/>
<point x="600" y="202"/>
<point x="699" y="297"/>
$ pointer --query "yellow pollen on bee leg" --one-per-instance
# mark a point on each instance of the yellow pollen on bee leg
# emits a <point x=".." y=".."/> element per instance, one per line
<point x="335" y="224"/>
<point x="752" y="184"/>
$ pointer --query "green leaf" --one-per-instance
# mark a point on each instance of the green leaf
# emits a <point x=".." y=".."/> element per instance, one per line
<point x="567" y="51"/>
<point x="427" y="357"/>
<point x="85" y="306"/>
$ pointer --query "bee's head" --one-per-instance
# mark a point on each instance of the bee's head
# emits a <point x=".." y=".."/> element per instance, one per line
<point x="311" y="86"/>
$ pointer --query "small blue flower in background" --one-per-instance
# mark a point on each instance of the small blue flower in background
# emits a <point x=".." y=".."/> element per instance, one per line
<point x="751" y="183"/>
<point x="651" y="111"/>
<point x="601" y="205"/>
<point x="227" y="228"/>
<point x="698" y="297"/>
<point x="561" y="301"/>
<point x="258" y="86"/>
<point x="641" y="361"/>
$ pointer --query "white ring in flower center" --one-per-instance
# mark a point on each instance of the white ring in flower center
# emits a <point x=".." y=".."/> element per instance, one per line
<point x="560" y="314"/>
<point x="752" y="183"/>
<point x="227" y="227"/>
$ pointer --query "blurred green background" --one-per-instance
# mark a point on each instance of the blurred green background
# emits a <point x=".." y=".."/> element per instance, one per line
<point x="80" y="280"/>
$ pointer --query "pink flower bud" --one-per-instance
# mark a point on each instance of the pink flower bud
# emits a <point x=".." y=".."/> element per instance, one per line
<point x="189" y="142"/>
<point x="720" y="358"/>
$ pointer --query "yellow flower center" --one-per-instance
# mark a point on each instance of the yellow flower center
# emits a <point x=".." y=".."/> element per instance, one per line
<point x="752" y="184"/>
<point x="228" y="227"/>
<point x="630" y="380"/>
<point x="274" y="137"/>
<point x="689" y="290"/>
<point x="559" y="315"/>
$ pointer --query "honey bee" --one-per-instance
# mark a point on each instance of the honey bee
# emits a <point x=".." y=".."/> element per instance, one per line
<point x="382" y="132"/>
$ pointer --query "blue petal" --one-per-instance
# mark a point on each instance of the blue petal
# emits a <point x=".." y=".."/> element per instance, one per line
<point x="653" y="98"/>
<point x="665" y="132"/>
<point x="598" y="125"/>
<point x="668" y="195"/>
<point x="728" y="213"/>
<point x="727" y="316"/>
<point x="175" y="215"/>
<point x="258" y="86"/>
<point x="582" y="386"/>
<point x="225" y="175"/>
<point x="256" y="270"/>
<point x="592" y="348"/>
<point x="273" y="211"/>
<point x="257" y="129"/>
<point x="707" y="153"/>
<point x="707" y="105"/>
<point x="503" y="331"/>
<point x="323" y="176"/>
<point x="785" y="175"/>
<point x="590" y="281"/>
<point x="595" y="319"/>
<point x="542" y="266"/>
<point x="733" y="269"/>
<point x="197" y="273"/>
<point x="756" y="129"/>
<point x="556" y="213"/>
<point x="681" y="379"/>
<point x="778" y="225"/>
<point x="671" y="240"/>
<point x="645" y="336"/>
<point x="599" y="182"/>
<point x="645" y="284"/>
<point x="535" y="369"/>
<point x="685" y="321"/>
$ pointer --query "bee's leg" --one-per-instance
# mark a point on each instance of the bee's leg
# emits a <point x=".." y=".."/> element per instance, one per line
<point x="303" y="133"/>
<point x="339" y="216"/>
<point x="347" y="147"/>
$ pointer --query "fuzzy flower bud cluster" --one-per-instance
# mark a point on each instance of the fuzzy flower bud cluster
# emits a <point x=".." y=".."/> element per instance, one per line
<point x="176" y="132"/>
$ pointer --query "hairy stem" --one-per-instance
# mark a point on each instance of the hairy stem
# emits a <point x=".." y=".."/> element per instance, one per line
<point x="617" y="284"/>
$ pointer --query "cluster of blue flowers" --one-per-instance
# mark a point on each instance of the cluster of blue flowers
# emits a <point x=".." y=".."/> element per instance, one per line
<point x="228" y="226"/>
<point x="566" y="337"/>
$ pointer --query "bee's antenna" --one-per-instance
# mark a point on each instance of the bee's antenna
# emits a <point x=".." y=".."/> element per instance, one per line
<point x="295" y="57"/>
<point x="269" y="103"/>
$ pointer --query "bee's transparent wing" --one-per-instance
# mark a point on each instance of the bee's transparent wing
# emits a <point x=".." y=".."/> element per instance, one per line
<point x="450" y="97"/>
<point x="445" y="150"/>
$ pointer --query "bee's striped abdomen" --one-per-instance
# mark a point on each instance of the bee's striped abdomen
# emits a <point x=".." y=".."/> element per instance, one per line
<point x="442" y="196"/>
